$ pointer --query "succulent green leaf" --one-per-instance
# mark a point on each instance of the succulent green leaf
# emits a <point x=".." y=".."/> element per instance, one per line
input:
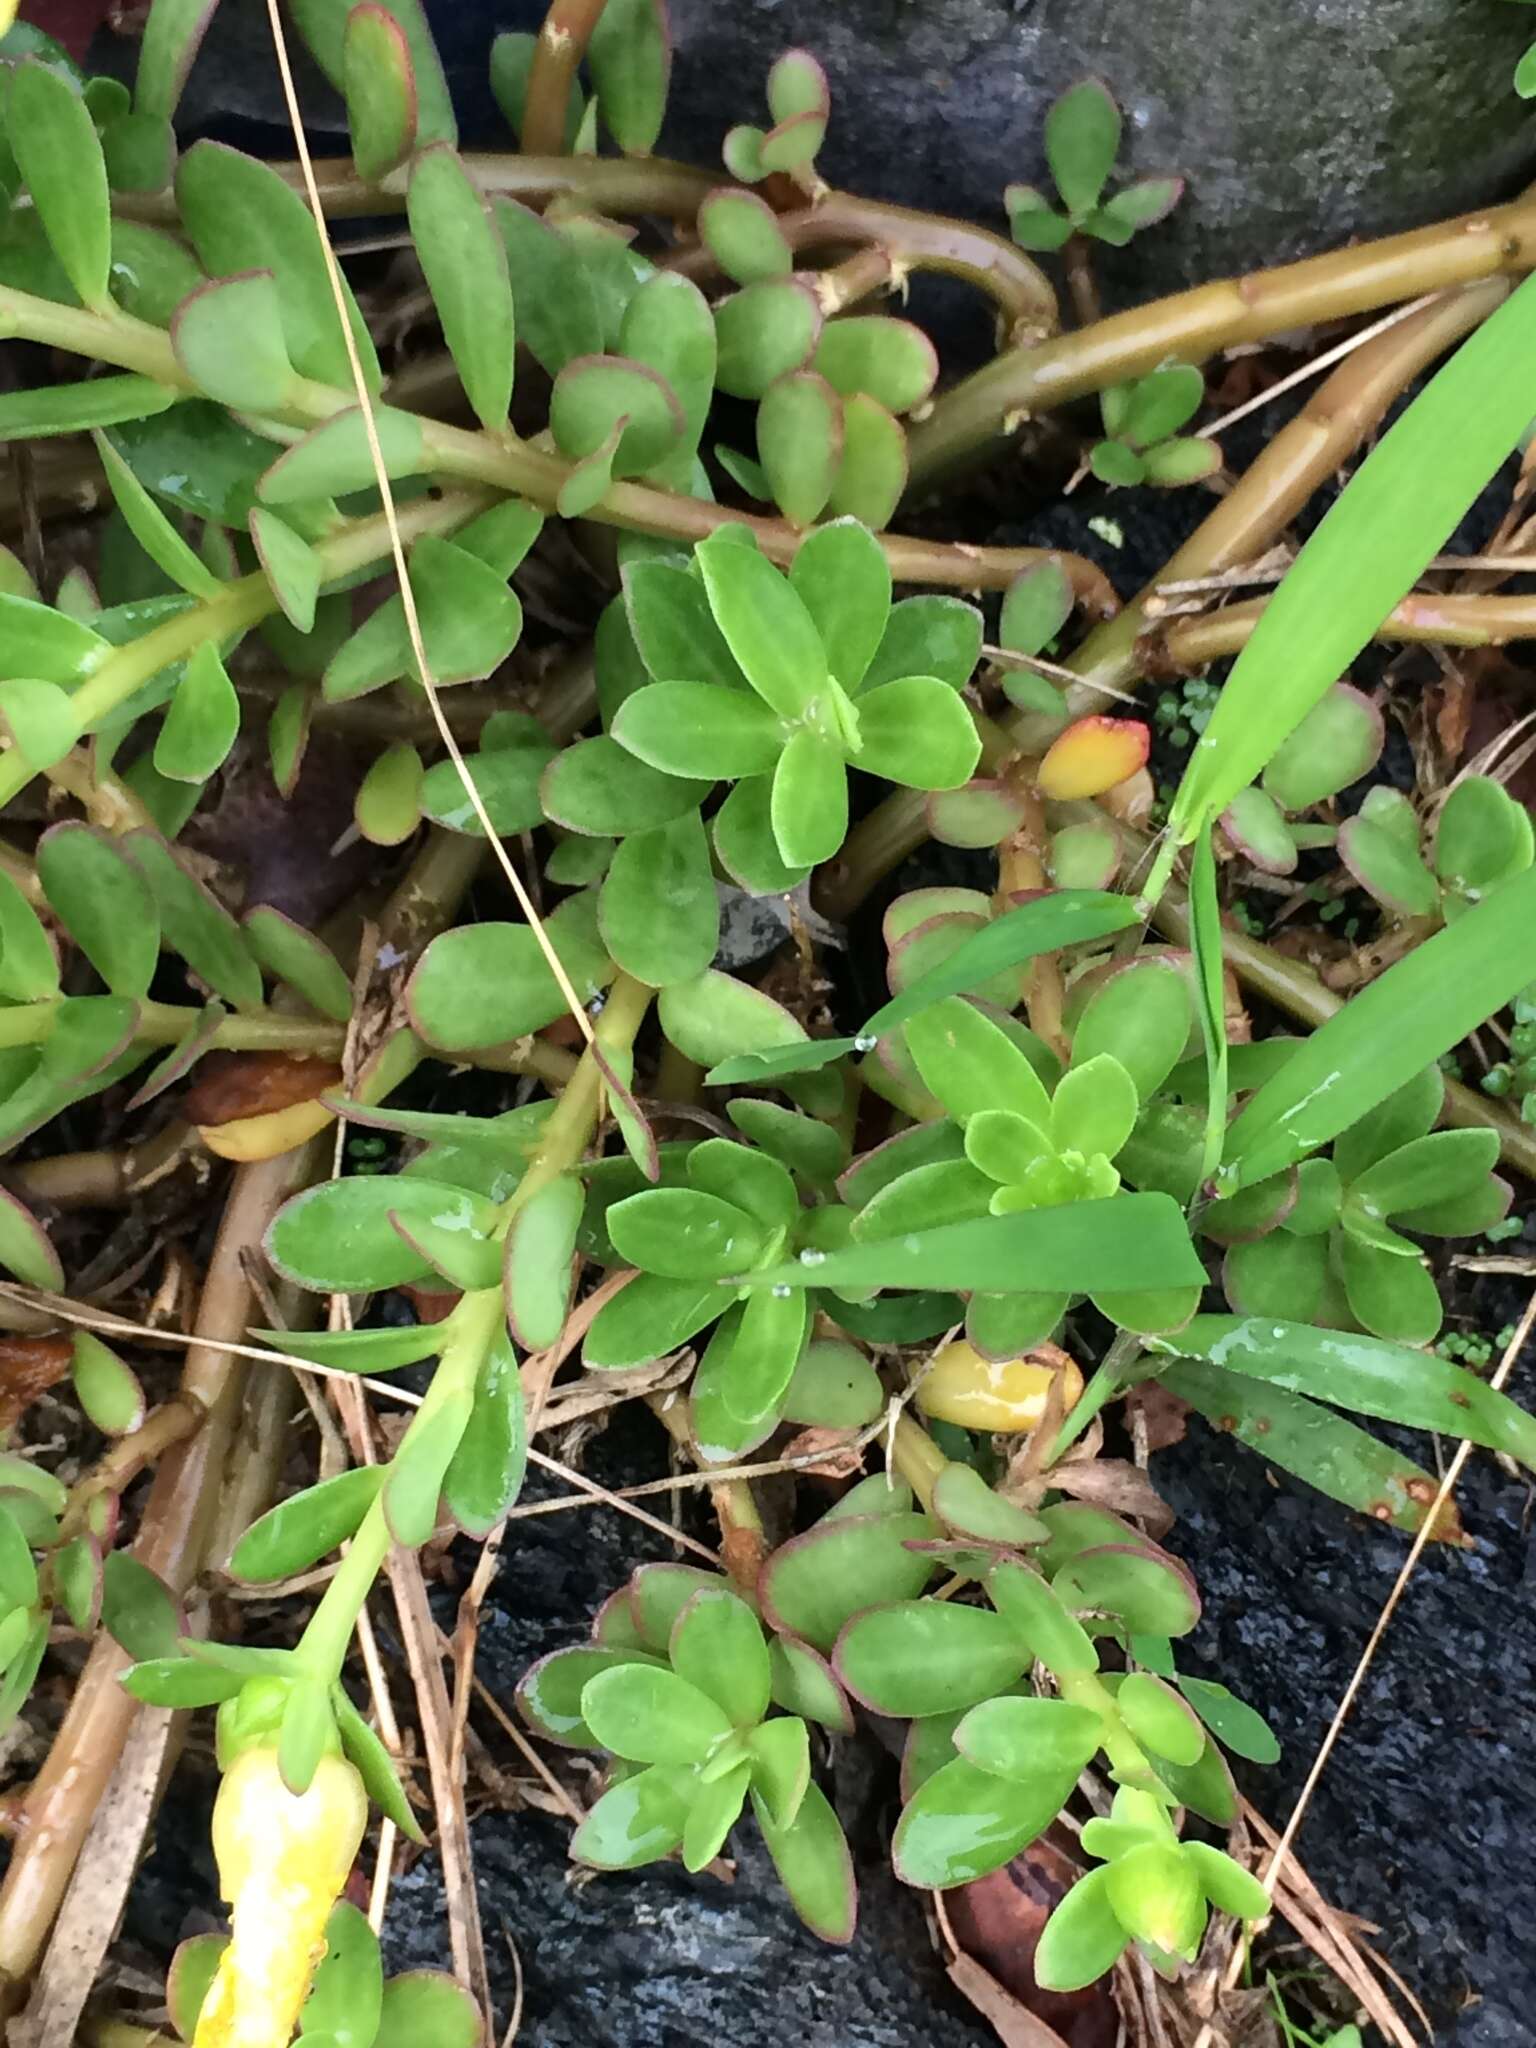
<point x="1231" y="1720"/>
<point x="873" y="473"/>
<point x="833" y="1386"/>
<point x="918" y="732"/>
<point x="138" y="1609"/>
<point x="812" y="1860"/>
<point x="241" y="216"/>
<point x="58" y="152"/>
<point x="229" y="338"/>
<point x="1036" y="606"/>
<point x="699" y="731"/>
<point x="650" y="1715"/>
<point x="337" y="457"/>
<point x="107" y="1389"/>
<point x="1044" y="1626"/>
<point x="485" y="1473"/>
<point x="195" y="923"/>
<point x="813" y="1584"/>
<point x="39" y="720"/>
<point x="104" y="903"/>
<point x="800" y="443"/>
<point x="658" y="912"/>
<point x="649" y="1318"/>
<point x="920" y="1657"/>
<point x="1021" y="1739"/>
<point x="1481" y="836"/>
<point x="1032" y="222"/>
<point x="203" y="721"/>
<point x="763" y="332"/>
<point x="717" y="1646"/>
<point x="928" y="636"/>
<point x="557" y="313"/>
<point x="466" y="269"/>
<point x="338" y="1236"/>
<point x="306" y="1527"/>
<point x="630" y="59"/>
<point x="963" y="1822"/>
<point x="743" y="235"/>
<point x="1082" y="140"/>
<point x="891" y="361"/>
<point x="1338" y="741"/>
<point x="380" y="89"/>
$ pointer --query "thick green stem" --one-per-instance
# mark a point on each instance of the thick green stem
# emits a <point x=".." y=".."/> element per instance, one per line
<point x="471" y="1329"/>
<point x="1125" y="1753"/>
<point x="1185" y="646"/>
<point x="169" y="1023"/>
<point x="475" y="1321"/>
<point x="472" y="457"/>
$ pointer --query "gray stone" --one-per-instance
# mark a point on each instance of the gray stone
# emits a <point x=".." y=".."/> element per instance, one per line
<point x="1298" y="123"/>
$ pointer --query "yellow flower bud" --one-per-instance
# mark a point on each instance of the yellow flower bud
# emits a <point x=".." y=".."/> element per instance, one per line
<point x="283" y="1859"/>
<point x="979" y="1393"/>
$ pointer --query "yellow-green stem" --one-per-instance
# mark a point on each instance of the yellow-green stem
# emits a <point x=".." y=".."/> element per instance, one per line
<point x="916" y="1458"/>
<point x="1189" y="326"/>
<point x="471" y="1329"/>
<point x="478" y="1317"/>
<point x="169" y="1023"/>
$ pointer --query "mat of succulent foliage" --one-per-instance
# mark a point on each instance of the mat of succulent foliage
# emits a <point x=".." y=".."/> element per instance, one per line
<point x="313" y="652"/>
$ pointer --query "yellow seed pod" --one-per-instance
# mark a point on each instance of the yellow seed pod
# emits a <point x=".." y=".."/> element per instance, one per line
<point x="1008" y="1397"/>
<point x="264" y="1137"/>
<point x="283" y="1859"/>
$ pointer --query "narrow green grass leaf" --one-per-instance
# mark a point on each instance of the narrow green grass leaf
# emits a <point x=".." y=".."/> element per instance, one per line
<point x="1134" y="1242"/>
<point x="1205" y="936"/>
<point x="1311" y="1442"/>
<point x="1415" y="1012"/>
<point x="1395" y="514"/>
<point x="1394" y="1382"/>
<point x="1064" y="918"/>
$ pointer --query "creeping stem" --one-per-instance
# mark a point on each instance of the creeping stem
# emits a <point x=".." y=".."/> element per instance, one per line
<point x="557" y="53"/>
<point x="638" y="186"/>
<point x="1190" y="326"/>
<point x="1299" y="460"/>
<point x="476" y="1320"/>
<point x="519" y="468"/>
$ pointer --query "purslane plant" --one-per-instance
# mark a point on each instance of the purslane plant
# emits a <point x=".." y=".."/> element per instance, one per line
<point x="1037" y="1170"/>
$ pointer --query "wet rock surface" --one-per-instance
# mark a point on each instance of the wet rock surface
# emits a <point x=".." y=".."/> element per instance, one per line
<point x="1297" y="126"/>
<point x="1423" y="1820"/>
<point x="659" y="1959"/>
<point x="1422" y="1823"/>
